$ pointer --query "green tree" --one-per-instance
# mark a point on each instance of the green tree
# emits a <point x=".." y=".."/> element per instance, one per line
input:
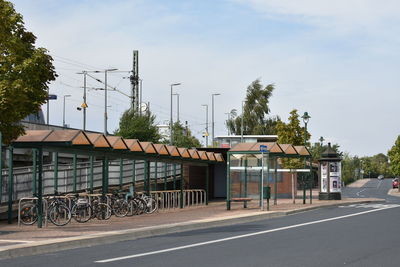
<point x="182" y="137"/>
<point x="133" y="125"/>
<point x="394" y="156"/>
<point x="292" y="133"/>
<point x="25" y="72"/>
<point x="255" y="111"/>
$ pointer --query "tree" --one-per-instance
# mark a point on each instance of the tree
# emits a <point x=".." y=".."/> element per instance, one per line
<point x="255" y="111"/>
<point x="25" y="72"/>
<point x="182" y="137"/>
<point x="292" y="133"/>
<point x="133" y="125"/>
<point x="394" y="156"/>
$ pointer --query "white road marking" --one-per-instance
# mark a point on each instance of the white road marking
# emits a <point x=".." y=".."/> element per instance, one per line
<point x="240" y="236"/>
<point x="371" y="205"/>
<point x="379" y="184"/>
<point x="15" y="241"/>
<point x="358" y="193"/>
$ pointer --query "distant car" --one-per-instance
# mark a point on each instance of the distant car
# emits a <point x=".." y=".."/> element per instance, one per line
<point x="381" y="177"/>
<point x="395" y="183"/>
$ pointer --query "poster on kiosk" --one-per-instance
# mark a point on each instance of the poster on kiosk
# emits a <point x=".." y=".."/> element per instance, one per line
<point x="334" y="169"/>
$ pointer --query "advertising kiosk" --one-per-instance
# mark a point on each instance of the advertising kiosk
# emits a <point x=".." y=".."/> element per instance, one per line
<point x="330" y="175"/>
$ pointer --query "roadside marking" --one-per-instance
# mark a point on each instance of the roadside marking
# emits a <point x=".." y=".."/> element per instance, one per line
<point x="379" y="184"/>
<point x="15" y="241"/>
<point x="358" y="193"/>
<point x="240" y="236"/>
<point x="371" y="205"/>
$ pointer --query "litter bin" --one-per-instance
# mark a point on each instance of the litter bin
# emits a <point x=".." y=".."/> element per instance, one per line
<point x="267" y="192"/>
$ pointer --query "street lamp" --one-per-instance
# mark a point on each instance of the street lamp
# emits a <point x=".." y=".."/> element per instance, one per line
<point x="212" y="107"/>
<point x="171" y="121"/>
<point x="177" y="95"/>
<point x="242" y="126"/>
<point x="105" y="100"/>
<point x="65" y="96"/>
<point x="229" y="117"/>
<point x="206" y="133"/>
<point x="305" y="118"/>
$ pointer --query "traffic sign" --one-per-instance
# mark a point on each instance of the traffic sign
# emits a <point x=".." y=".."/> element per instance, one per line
<point x="52" y="97"/>
<point x="263" y="148"/>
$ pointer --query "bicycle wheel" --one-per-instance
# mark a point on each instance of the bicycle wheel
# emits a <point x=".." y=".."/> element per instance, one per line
<point x="60" y="215"/>
<point x="103" y="211"/>
<point x="120" y="207"/>
<point x="151" y="205"/>
<point x="132" y="207"/>
<point x="81" y="212"/>
<point x="28" y="213"/>
<point x="142" y="205"/>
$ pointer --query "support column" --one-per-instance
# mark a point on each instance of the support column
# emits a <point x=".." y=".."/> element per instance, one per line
<point x="245" y="182"/>
<point x="55" y="162"/>
<point x="147" y="177"/>
<point x="34" y="171"/>
<point x="74" y="162"/>
<point x="181" y="196"/>
<point x="10" y="183"/>
<point x="40" y="188"/>
<point x="91" y="159"/>
<point x="1" y="167"/>
<point x="311" y="180"/>
<point x="207" y="182"/>
<point x="121" y="172"/>
<point x="165" y="175"/>
<point x="133" y="175"/>
<point x="155" y="175"/>
<point x="228" y="182"/>
<point x="276" y="182"/>
<point x="105" y="177"/>
<point x="174" y="176"/>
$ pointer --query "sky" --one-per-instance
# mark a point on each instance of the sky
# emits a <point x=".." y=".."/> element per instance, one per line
<point x="337" y="60"/>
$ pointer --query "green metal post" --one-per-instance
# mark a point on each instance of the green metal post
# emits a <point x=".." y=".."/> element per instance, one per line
<point x="147" y="176"/>
<point x="40" y="189"/>
<point x="55" y="160"/>
<point x="155" y="176"/>
<point x="91" y="159"/>
<point x="133" y="174"/>
<point x="276" y="182"/>
<point x="1" y="167"/>
<point x="34" y="171"/>
<point x="260" y="182"/>
<point x="228" y="182"/>
<point x="311" y="180"/>
<point x="121" y="172"/>
<point x="107" y="174"/>
<point x="104" y="188"/>
<point x="10" y="183"/>
<point x="74" y="172"/>
<point x="267" y="180"/>
<point x="182" y="184"/>
<point x="207" y="182"/>
<point x="245" y="182"/>
<point x="174" y="176"/>
<point x="165" y="175"/>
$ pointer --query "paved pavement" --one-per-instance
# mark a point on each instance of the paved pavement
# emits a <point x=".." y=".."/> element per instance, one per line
<point x="29" y="240"/>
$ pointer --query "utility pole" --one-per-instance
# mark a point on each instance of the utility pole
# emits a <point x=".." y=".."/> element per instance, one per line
<point x="135" y="105"/>
<point x="84" y="105"/>
<point x="206" y="133"/>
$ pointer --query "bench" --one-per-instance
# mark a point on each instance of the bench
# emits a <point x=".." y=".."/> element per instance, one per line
<point x="241" y="199"/>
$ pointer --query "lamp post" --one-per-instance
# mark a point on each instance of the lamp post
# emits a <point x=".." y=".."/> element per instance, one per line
<point x="241" y="127"/>
<point x="305" y="118"/>
<point x="212" y="118"/>
<point x="65" y="96"/>
<point x="229" y="117"/>
<point x="206" y="134"/>
<point x="171" y="121"/>
<point x="105" y="100"/>
<point x="177" y="96"/>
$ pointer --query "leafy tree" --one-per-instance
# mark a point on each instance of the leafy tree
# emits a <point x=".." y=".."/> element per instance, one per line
<point x="292" y="133"/>
<point x="182" y="137"/>
<point x="255" y="111"/>
<point x="394" y="156"/>
<point x="133" y="125"/>
<point x="25" y="72"/>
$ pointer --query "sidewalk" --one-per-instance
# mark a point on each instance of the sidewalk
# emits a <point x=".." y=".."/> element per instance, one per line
<point x="28" y="240"/>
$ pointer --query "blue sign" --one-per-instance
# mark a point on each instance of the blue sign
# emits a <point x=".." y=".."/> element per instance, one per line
<point x="263" y="148"/>
<point x="52" y="97"/>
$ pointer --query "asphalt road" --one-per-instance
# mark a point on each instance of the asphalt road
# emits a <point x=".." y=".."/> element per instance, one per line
<point x="352" y="235"/>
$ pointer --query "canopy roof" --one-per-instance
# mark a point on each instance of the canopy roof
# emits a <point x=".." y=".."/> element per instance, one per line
<point x="273" y="148"/>
<point x="77" y="141"/>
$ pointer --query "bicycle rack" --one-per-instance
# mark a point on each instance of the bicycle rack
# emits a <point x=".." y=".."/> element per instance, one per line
<point x="44" y="201"/>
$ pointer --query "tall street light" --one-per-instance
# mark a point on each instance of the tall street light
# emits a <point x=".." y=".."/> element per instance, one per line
<point x="206" y="133"/>
<point x="65" y="96"/>
<point x="242" y="126"/>
<point x="212" y="107"/>
<point x="171" y="121"/>
<point x="177" y="105"/>
<point x="229" y="117"/>
<point x="305" y="118"/>
<point x="105" y="100"/>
